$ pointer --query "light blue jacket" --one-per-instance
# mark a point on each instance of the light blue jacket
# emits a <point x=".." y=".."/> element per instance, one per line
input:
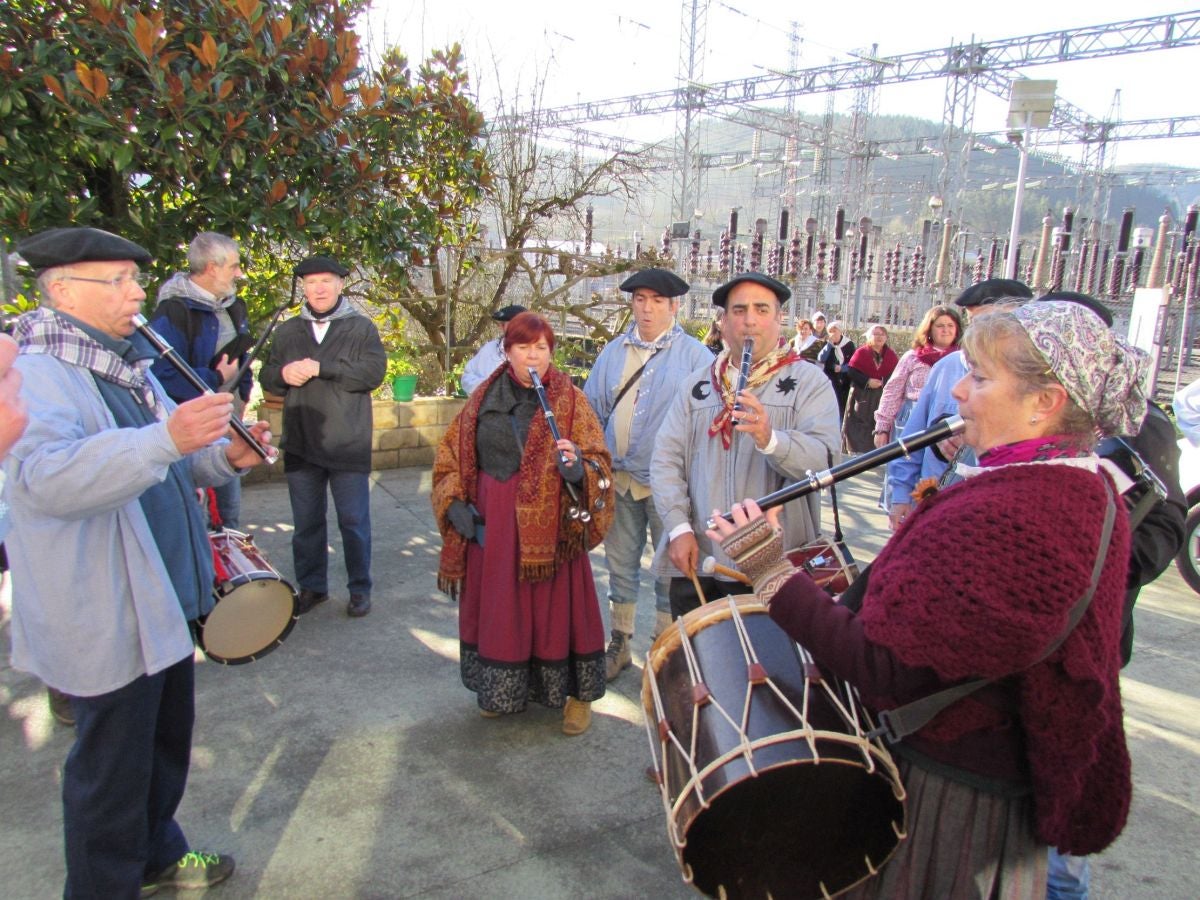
<point x="486" y="361"/>
<point x="93" y="604"/>
<point x="935" y="401"/>
<point x="661" y="380"/>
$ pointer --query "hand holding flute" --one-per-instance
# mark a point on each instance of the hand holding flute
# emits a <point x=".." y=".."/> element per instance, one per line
<point x="208" y="417"/>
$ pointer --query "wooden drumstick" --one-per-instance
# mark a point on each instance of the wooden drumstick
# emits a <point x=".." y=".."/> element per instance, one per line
<point x="696" y="584"/>
<point x="712" y="567"/>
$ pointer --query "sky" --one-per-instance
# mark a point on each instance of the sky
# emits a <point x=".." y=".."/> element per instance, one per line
<point x="617" y="48"/>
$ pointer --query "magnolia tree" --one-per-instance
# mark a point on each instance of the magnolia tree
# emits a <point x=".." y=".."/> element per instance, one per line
<point x="256" y="119"/>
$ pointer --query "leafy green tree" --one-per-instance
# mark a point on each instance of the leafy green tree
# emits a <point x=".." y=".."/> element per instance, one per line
<point x="250" y="117"/>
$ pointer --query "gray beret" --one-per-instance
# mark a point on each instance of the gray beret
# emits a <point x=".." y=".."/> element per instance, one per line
<point x="63" y="246"/>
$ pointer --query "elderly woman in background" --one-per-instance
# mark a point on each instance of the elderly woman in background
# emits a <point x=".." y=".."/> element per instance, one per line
<point x="513" y="552"/>
<point x="806" y="343"/>
<point x="868" y="371"/>
<point x="1036" y="757"/>
<point x="834" y="358"/>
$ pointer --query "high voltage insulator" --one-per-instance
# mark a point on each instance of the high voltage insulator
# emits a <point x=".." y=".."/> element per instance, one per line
<point x="733" y="217"/>
<point x="756" y="248"/>
<point x="918" y="267"/>
<point x="1126" y="231"/>
<point x="587" y="232"/>
<point x="709" y="254"/>
<point x="794" y="255"/>
<point x="821" y="261"/>
<point x="783" y="224"/>
<point x="835" y="262"/>
<point x="839" y="224"/>
<point x="740" y="253"/>
<point x="853" y="271"/>
<point x="977" y="269"/>
<point x="726" y="254"/>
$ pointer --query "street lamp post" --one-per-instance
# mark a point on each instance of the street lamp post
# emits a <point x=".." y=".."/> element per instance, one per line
<point x="1029" y="106"/>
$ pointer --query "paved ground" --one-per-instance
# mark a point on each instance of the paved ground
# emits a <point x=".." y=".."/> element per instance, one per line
<point x="352" y="763"/>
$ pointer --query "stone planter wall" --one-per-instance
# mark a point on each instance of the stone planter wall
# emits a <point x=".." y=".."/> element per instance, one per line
<point x="405" y="434"/>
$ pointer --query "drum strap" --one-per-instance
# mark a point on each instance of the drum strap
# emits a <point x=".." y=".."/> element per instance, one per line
<point x="904" y="720"/>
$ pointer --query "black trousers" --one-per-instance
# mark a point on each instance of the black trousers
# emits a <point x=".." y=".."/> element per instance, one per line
<point x="123" y="780"/>
<point x="684" y="597"/>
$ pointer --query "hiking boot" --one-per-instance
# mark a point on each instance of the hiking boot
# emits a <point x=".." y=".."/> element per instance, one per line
<point x="618" y="655"/>
<point x="60" y="707"/>
<point x="577" y="716"/>
<point x="308" y="599"/>
<point x="194" y="871"/>
<point x="359" y="605"/>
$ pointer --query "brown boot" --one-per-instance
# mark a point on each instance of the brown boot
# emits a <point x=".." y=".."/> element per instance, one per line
<point x="618" y="655"/>
<point x="577" y="716"/>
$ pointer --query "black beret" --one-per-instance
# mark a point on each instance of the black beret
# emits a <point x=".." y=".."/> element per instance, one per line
<point x="993" y="290"/>
<point x="63" y="246"/>
<point x="508" y="313"/>
<point x="661" y="281"/>
<point x="1083" y="300"/>
<point x="781" y="290"/>
<point x="316" y="265"/>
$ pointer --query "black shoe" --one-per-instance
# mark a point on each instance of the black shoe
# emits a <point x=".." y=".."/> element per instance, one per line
<point x="60" y="707"/>
<point x="359" y="605"/>
<point x="194" y="871"/>
<point x="307" y="600"/>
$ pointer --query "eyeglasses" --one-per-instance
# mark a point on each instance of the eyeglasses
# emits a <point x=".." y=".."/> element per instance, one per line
<point x="141" y="278"/>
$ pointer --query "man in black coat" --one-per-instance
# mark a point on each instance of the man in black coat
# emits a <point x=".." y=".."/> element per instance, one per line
<point x="325" y="363"/>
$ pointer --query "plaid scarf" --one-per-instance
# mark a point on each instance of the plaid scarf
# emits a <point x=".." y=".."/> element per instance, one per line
<point x="45" y="331"/>
<point x="724" y="381"/>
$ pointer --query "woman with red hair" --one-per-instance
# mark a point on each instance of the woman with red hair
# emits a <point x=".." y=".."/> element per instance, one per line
<point x="515" y="545"/>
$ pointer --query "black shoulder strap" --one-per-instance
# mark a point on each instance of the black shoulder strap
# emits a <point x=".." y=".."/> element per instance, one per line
<point x="183" y="319"/>
<point x="633" y="379"/>
<point x="904" y="720"/>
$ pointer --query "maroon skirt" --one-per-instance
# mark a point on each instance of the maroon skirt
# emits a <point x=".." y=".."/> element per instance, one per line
<point x="522" y="641"/>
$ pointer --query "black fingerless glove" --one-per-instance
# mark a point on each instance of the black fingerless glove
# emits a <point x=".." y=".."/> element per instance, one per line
<point x="757" y="549"/>
<point x="572" y="471"/>
<point x="462" y="518"/>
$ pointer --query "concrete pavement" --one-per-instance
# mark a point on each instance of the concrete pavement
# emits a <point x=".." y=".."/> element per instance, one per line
<point x="352" y="763"/>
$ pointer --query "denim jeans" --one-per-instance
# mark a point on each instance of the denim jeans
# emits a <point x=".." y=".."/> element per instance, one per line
<point x="229" y="503"/>
<point x="123" y="780"/>
<point x="351" y="491"/>
<point x="1069" y="878"/>
<point x="623" y="546"/>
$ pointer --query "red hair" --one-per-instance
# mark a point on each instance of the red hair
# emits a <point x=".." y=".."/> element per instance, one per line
<point x="526" y="328"/>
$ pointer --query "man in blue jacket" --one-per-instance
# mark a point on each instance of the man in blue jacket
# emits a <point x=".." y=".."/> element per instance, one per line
<point x="631" y="386"/>
<point x="201" y="316"/>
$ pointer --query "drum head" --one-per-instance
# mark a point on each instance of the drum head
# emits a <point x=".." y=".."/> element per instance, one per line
<point x="250" y="621"/>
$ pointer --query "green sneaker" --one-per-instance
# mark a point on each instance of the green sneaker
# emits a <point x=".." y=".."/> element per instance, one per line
<point x="195" y="870"/>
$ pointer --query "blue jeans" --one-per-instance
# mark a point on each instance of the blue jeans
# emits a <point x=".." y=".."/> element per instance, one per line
<point x="1069" y="877"/>
<point x="623" y="546"/>
<point x="307" y="484"/>
<point x="123" y="780"/>
<point x="229" y="503"/>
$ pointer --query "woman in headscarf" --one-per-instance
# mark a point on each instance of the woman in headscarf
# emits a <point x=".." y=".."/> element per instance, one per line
<point x="833" y="358"/>
<point x="868" y="371"/>
<point x="1036" y="756"/>
<point x="515" y="550"/>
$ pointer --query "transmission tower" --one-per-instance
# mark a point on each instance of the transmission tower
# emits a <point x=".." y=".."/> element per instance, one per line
<point x="686" y="182"/>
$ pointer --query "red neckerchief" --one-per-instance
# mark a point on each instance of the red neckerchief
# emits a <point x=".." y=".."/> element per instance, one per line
<point x="930" y="354"/>
<point x="759" y="374"/>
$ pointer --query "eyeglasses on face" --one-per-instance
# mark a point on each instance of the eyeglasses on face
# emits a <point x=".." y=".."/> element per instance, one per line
<point x="141" y="278"/>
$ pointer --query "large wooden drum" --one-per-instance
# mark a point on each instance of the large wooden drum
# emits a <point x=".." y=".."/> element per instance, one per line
<point x="770" y="787"/>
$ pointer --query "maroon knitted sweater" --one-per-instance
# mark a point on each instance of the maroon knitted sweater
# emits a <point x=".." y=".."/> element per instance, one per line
<point x="978" y="582"/>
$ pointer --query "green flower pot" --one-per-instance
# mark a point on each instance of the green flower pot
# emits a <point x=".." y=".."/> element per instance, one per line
<point x="403" y="388"/>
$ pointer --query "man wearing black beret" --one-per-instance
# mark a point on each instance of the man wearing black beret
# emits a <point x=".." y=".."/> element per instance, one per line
<point x="489" y="357"/>
<point x="631" y="386"/>
<point x="324" y="363"/>
<point x="710" y="455"/>
<point x="111" y="559"/>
